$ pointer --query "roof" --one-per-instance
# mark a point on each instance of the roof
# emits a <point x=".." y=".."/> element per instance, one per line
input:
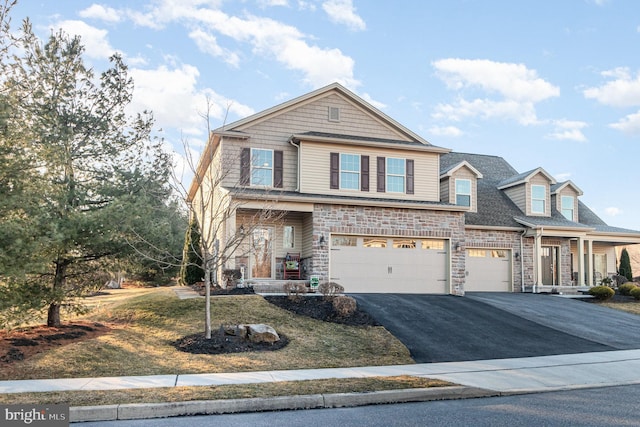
<point x="368" y="141"/>
<point x="524" y="177"/>
<point x="496" y="209"/>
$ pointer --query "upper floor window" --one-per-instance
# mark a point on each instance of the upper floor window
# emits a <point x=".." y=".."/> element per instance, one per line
<point x="261" y="167"/>
<point x="350" y="171"/>
<point x="463" y="192"/>
<point x="538" y="199"/>
<point x="396" y="175"/>
<point x="567" y="207"/>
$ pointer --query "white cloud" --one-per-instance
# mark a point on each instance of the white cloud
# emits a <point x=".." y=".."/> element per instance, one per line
<point x="613" y="211"/>
<point x="180" y="104"/>
<point x="379" y="105"/>
<point x="94" y="40"/>
<point x="521" y="112"/>
<point x="207" y="43"/>
<point x="622" y="91"/>
<point x="449" y="131"/>
<point x="562" y="176"/>
<point x="629" y="124"/>
<point x="516" y="87"/>
<point x="97" y="11"/>
<point x="272" y="3"/>
<point x="267" y="37"/>
<point x="568" y="130"/>
<point x="512" y="81"/>
<point x="343" y="12"/>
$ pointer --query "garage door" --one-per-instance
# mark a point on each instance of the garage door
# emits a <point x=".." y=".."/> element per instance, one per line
<point x="488" y="270"/>
<point x="396" y="265"/>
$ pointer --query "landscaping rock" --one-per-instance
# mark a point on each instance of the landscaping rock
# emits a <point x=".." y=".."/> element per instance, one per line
<point x="261" y="333"/>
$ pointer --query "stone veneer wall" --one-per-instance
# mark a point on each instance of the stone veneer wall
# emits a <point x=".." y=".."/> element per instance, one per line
<point x="377" y="221"/>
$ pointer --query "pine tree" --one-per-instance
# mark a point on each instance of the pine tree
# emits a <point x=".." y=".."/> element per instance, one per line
<point x="625" y="265"/>
<point x="191" y="271"/>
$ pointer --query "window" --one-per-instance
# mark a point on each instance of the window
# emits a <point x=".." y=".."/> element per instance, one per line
<point x="538" y="199"/>
<point x="477" y="253"/>
<point x="288" y="237"/>
<point x="396" y="175"/>
<point x="404" y="243"/>
<point x="433" y="244"/>
<point x="463" y="192"/>
<point x="349" y="171"/>
<point x="343" y="241"/>
<point x="567" y="203"/>
<point x="370" y="242"/>
<point x="261" y="167"/>
<point x="496" y="253"/>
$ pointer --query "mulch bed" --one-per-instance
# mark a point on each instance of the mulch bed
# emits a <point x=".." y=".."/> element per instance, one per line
<point x="318" y="308"/>
<point x="221" y="343"/>
<point x="224" y="291"/>
<point x="20" y="344"/>
<point x="617" y="298"/>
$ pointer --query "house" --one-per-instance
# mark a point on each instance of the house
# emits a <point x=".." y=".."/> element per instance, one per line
<point x="373" y="206"/>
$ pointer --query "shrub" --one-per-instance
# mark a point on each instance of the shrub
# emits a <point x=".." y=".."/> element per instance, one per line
<point x="344" y="305"/>
<point x="295" y="291"/>
<point x="602" y="292"/>
<point x="330" y="289"/>
<point x="626" y="288"/>
<point x="230" y="277"/>
<point x="635" y="292"/>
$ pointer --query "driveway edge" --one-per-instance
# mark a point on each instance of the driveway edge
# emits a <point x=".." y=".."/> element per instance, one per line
<point x="313" y="401"/>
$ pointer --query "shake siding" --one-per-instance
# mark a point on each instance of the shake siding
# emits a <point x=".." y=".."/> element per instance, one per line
<point x="315" y="158"/>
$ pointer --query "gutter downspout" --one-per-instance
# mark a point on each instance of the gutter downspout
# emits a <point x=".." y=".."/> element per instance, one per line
<point x="522" y="261"/>
<point x="292" y="142"/>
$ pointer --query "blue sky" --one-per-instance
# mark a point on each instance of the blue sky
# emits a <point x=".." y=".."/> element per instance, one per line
<point x="542" y="83"/>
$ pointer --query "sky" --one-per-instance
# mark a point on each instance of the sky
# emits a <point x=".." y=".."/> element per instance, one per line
<point x="541" y="83"/>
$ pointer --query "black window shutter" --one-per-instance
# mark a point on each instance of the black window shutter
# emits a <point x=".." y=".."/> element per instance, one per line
<point x="334" y="178"/>
<point x="277" y="168"/>
<point x="409" y="176"/>
<point x="381" y="174"/>
<point x="364" y="173"/>
<point x="245" y="166"/>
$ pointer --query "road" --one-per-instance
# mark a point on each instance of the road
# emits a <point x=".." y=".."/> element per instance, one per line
<point x="611" y="406"/>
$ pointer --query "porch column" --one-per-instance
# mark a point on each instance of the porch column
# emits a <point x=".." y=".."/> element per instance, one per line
<point x="589" y="263"/>
<point x="538" y="261"/>
<point x="580" y="281"/>
<point x="230" y="231"/>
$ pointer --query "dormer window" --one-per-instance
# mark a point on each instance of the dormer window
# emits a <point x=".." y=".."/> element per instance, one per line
<point x="568" y="207"/>
<point x="538" y="199"/>
<point x="463" y="192"/>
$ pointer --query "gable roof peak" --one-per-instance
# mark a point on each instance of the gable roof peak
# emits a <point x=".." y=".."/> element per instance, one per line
<point x="455" y="167"/>
<point x="525" y="177"/>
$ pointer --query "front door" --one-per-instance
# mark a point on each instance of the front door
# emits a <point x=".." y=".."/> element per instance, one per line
<point x="549" y="260"/>
<point x="262" y="253"/>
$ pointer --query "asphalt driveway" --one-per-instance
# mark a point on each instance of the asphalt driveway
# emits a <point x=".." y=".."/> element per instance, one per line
<point x="446" y="328"/>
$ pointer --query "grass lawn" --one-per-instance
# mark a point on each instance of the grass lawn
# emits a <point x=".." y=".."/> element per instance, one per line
<point x="144" y="327"/>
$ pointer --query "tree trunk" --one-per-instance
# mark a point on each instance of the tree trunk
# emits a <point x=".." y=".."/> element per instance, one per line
<point x="207" y="297"/>
<point x="53" y="315"/>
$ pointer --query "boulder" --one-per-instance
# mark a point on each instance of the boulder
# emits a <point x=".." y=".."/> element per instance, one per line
<point x="262" y="333"/>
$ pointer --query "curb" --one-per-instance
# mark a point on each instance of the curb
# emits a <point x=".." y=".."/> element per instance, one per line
<point x="134" y="411"/>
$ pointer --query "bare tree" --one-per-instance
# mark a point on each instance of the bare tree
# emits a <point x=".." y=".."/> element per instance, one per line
<point x="214" y="199"/>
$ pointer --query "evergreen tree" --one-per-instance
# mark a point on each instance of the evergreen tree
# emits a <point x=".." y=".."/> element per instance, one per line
<point x="80" y="179"/>
<point x="625" y="265"/>
<point x="191" y="270"/>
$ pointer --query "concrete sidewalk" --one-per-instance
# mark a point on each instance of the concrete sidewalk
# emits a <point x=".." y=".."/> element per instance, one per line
<point x="476" y="379"/>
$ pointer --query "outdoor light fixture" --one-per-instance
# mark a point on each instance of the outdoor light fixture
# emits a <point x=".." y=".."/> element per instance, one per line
<point x="457" y="247"/>
<point x="321" y="241"/>
<point x="517" y="256"/>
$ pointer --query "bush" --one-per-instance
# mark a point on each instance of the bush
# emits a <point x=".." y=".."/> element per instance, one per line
<point x="344" y="306"/>
<point x="230" y="277"/>
<point x="626" y="288"/>
<point x="295" y="291"/>
<point x="330" y="289"/>
<point x="602" y="293"/>
<point x="635" y="292"/>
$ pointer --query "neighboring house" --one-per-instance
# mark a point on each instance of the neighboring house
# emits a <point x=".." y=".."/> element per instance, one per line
<point x="371" y="205"/>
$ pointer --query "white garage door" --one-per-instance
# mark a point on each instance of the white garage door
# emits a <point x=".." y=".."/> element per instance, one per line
<point x="488" y="270"/>
<point x="389" y="265"/>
